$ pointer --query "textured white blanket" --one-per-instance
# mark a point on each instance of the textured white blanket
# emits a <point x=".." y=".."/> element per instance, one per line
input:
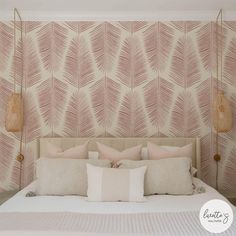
<point x="159" y="224"/>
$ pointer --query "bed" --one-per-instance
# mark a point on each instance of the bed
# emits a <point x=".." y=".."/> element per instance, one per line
<point x="74" y="215"/>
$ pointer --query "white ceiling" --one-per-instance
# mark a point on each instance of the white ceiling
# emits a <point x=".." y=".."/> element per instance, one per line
<point x="120" y="9"/>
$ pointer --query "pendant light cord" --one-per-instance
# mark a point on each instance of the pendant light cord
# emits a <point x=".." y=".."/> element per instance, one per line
<point x="20" y="157"/>
<point x="218" y="53"/>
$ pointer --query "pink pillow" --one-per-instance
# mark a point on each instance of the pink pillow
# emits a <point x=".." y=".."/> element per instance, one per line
<point x="77" y="152"/>
<point x="159" y="152"/>
<point x="106" y="152"/>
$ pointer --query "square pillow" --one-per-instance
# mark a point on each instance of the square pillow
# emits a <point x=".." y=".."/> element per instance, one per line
<point x="108" y="153"/>
<point x="77" y="152"/>
<point x="111" y="185"/>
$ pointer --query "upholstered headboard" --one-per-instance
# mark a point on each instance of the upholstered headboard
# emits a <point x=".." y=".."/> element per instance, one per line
<point x="123" y="143"/>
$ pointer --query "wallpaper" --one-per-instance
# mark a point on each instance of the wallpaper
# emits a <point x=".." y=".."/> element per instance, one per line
<point x="118" y="79"/>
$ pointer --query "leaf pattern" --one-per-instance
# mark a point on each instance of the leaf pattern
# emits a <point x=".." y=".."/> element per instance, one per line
<point x="7" y="164"/>
<point x="157" y="104"/>
<point x="230" y="63"/>
<point x="131" y="67"/>
<point x="133" y="26"/>
<point x="78" y="72"/>
<point x="52" y="41"/>
<point x="204" y="101"/>
<point x="32" y="125"/>
<point x="76" y="124"/>
<point x="185" y="120"/>
<point x="185" y="68"/>
<point x="105" y="40"/>
<point x="52" y="98"/>
<point x="31" y="70"/>
<point x="105" y="97"/>
<point x="229" y="171"/>
<point x="204" y="41"/>
<point x="117" y="79"/>
<point x="79" y="27"/>
<point x="131" y="121"/>
<point x="207" y="163"/>
<point x="6" y="45"/>
<point x="158" y="39"/>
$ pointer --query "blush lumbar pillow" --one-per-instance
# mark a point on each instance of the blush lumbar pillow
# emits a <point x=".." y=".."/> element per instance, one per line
<point x="77" y="152"/>
<point x="156" y="152"/>
<point x="110" y="185"/>
<point x="108" y="153"/>
<point x="64" y="176"/>
<point x="165" y="176"/>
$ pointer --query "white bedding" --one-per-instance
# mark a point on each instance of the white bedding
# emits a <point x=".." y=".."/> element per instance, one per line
<point x="155" y="203"/>
<point x="162" y="215"/>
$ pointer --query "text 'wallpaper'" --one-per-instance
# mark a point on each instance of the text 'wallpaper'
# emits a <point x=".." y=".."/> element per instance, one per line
<point x="118" y="79"/>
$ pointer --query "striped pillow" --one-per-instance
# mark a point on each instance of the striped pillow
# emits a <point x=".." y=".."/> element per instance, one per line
<point x="111" y="185"/>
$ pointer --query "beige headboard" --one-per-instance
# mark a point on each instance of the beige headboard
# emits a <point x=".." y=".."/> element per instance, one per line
<point x="122" y="143"/>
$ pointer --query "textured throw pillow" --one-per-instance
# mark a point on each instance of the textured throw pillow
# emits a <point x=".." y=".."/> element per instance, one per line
<point x="64" y="176"/>
<point x="77" y="152"/>
<point x="108" y="153"/>
<point x="156" y="152"/>
<point x="110" y="185"/>
<point x="165" y="176"/>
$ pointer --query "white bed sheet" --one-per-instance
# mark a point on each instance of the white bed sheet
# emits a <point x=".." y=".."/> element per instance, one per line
<point x="155" y="203"/>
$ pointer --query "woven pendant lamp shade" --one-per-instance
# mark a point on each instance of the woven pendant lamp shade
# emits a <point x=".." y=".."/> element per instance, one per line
<point x="222" y="113"/>
<point x="14" y="113"/>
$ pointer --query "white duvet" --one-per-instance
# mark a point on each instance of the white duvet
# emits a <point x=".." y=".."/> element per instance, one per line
<point x="155" y="203"/>
<point x="162" y="215"/>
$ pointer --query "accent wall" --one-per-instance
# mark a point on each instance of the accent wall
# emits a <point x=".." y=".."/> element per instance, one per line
<point x="118" y="79"/>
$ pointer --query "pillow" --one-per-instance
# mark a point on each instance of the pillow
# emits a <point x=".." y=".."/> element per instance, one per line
<point x="111" y="185"/>
<point x="64" y="176"/>
<point x="156" y="152"/>
<point x="77" y="152"/>
<point x="108" y="153"/>
<point x="165" y="176"/>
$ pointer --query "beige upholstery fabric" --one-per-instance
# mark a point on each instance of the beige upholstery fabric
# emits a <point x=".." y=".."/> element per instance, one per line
<point x="109" y="184"/>
<point x="124" y="143"/>
<point x="165" y="176"/>
<point x="64" y="176"/>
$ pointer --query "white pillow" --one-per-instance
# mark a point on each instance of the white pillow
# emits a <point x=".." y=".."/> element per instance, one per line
<point x="58" y="176"/>
<point x="110" y="185"/>
<point x="165" y="176"/>
<point x="77" y="152"/>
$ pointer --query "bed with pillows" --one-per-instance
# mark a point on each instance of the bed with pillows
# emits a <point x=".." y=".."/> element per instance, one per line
<point x="112" y="186"/>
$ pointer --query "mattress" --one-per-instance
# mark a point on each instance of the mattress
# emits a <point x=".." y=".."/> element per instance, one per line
<point x="120" y="218"/>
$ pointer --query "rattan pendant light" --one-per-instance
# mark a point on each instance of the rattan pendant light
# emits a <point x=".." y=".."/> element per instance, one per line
<point x="14" y="109"/>
<point x="222" y="113"/>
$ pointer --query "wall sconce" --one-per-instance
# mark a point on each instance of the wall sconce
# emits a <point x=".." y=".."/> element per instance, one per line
<point x="14" y="110"/>
<point x="222" y="113"/>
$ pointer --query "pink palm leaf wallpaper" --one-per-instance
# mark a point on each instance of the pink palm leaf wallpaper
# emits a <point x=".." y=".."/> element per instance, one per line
<point x="118" y="79"/>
